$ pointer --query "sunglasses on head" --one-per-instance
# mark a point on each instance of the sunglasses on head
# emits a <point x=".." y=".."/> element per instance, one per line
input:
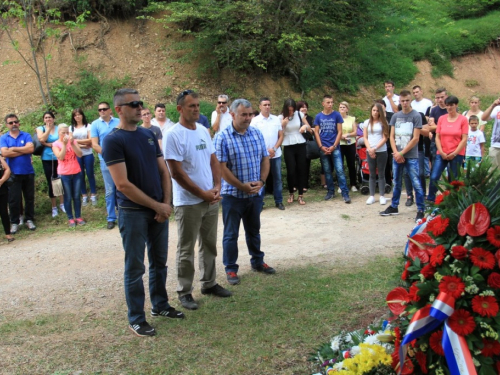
<point x="102" y="109"/>
<point x="183" y="94"/>
<point x="134" y="104"/>
<point x="13" y="122"/>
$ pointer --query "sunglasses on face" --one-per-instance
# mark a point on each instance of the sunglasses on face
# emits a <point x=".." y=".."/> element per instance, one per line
<point x="134" y="104"/>
<point x="15" y="122"/>
<point x="221" y="102"/>
<point x="102" y="109"/>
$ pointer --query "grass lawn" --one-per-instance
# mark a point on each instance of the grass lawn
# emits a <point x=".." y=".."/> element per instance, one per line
<point x="270" y="326"/>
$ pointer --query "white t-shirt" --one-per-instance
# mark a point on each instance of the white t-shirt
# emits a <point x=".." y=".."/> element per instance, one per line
<point x="82" y="133"/>
<point x="225" y="120"/>
<point x="166" y="126"/>
<point x="376" y="136"/>
<point x="474" y="141"/>
<point x="495" y="134"/>
<point x="422" y="106"/>
<point x="292" y="135"/>
<point x="388" y="107"/>
<point x="270" y="128"/>
<point x="193" y="148"/>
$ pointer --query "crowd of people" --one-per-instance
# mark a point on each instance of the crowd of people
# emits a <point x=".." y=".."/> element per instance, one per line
<point x="190" y="167"/>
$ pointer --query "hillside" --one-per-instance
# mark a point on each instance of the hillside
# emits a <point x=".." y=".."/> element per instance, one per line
<point x="142" y="50"/>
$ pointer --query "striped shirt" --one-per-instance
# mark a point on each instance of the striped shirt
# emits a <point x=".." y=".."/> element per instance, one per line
<point x="242" y="154"/>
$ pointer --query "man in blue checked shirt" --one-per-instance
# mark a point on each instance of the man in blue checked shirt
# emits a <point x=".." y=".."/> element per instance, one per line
<point x="244" y="160"/>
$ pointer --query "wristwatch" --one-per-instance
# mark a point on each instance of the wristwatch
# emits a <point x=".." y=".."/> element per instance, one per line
<point x="263" y="182"/>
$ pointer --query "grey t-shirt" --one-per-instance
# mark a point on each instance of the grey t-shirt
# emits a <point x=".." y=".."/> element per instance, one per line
<point x="404" y="125"/>
<point x="156" y="131"/>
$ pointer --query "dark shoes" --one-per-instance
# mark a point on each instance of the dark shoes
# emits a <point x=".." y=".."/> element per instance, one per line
<point x="420" y="216"/>
<point x="142" y="329"/>
<point x="280" y="206"/>
<point x="329" y="196"/>
<point x="188" y="302"/>
<point x="232" y="278"/>
<point x="409" y="202"/>
<point x="111" y="224"/>
<point x="264" y="268"/>
<point x="217" y="291"/>
<point x="390" y="211"/>
<point x="347" y="200"/>
<point x="168" y="313"/>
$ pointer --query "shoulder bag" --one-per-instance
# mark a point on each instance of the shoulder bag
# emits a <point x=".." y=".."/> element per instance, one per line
<point x="38" y="145"/>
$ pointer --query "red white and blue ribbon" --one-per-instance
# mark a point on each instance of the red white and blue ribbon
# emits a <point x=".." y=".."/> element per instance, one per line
<point x="455" y="347"/>
<point x="418" y="229"/>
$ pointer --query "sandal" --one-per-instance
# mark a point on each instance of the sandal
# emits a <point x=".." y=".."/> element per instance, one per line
<point x="10" y="239"/>
<point x="300" y="199"/>
<point x="290" y="198"/>
<point x="305" y="190"/>
<point x="325" y="186"/>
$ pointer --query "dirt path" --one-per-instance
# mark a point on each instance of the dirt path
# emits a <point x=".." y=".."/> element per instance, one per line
<point x="84" y="271"/>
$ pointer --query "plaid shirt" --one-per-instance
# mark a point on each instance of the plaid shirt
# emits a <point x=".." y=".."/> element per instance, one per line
<point x="242" y="154"/>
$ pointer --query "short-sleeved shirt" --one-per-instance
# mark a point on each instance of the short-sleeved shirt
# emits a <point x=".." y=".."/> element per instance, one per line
<point x="166" y="125"/>
<point x="388" y="107"/>
<point x="139" y="150"/>
<point x="156" y="131"/>
<point x="404" y="125"/>
<point x="328" y="127"/>
<point x="291" y="133"/>
<point x="375" y="135"/>
<point x="203" y="120"/>
<point x="450" y="133"/>
<point x="423" y="106"/>
<point x="100" y="129"/>
<point x="479" y="115"/>
<point x="495" y="134"/>
<point x="270" y="128"/>
<point x="82" y="133"/>
<point x="436" y="113"/>
<point x="225" y="120"/>
<point x="474" y="141"/>
<point x="69" y="165"/>
<point x="47" y="153"/>
<point x="242" y="154"/>
<point x="20" y="164"/>
<point x="193" y="148"/>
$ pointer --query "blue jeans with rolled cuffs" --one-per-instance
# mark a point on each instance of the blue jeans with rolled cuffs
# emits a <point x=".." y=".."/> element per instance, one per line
<point x="335" y="159"/>
<point x="411" y="166"/>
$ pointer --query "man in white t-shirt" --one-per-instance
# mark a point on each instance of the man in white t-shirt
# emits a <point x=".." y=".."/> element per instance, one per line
<point x="196" y="184"/>
<point x="391" y="100"/>
<point x="493" y="111"/>
<point x="270" y="127"/>
<point x="221" y="117"/>
<point x="161" y="119"/>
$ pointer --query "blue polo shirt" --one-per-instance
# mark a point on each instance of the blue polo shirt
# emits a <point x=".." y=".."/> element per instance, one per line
<point x="100" y="129"/>
<point x="20" y="164"/>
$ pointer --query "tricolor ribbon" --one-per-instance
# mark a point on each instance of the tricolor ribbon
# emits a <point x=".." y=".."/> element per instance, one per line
<point x="418" y="229"/>
<point x="455" y="347"/>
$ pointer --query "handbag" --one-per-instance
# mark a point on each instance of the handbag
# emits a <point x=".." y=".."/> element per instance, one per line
<point x="57" y="186"/>
<point x="312" y="149"/>
<point x="37" y="144"/>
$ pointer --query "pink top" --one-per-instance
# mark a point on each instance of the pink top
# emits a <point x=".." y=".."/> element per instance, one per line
<point x="451" y="133"/>
<point x="69" y="165"/>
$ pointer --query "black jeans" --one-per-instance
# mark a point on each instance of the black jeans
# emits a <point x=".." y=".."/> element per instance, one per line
<point x="296" y="169"/>
<point x="23" y="186"/>
<point x="348" y="153"/>
<point x="50" y="170"/>
<point x="4" y="200"/>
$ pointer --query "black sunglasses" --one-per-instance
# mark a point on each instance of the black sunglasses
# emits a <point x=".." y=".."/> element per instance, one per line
<point x="183" y="94"/>
<point x="102" y="109"/>
<point x="221" y="102"/>
<point x="13" y="122"/>
<point x="134" y="104"/>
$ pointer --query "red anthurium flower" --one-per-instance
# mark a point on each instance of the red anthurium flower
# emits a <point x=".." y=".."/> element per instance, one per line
<point x="435" y="342"/>
<point x="407" y="368"/>
<point x="422" y="361"/>
<point x="452" y="285"/>
<point x="485" y="305"/>
<point x="457" y="184"/>
<point x="474" y="221"/>
<point x="397" y="299"/>
<point x="490" y="348"/>
<point x="413" y="294"/>
<point x="462" y="322"/>
<point x="494" y="280"/>
<point x="437" y="225"/>
<point x="438" y="255"/>
<point x="482" y="258"/>
<point x="428" y="271"/>
<point x="420" y="246"/>
<point x="459" y="252"/>
<point x="493" y="235"/>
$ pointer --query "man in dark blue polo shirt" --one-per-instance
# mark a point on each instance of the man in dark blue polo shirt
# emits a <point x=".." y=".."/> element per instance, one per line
<point x="17" y="147"/>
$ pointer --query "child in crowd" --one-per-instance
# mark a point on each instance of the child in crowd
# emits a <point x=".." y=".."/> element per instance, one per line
<point x="475" y="143"/>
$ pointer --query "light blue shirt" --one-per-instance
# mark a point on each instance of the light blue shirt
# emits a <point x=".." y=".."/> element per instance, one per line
<point x="47" y="151"/>
<point x="100" y="129"/>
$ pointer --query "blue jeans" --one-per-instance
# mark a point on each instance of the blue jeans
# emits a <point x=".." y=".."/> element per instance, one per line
<point x="235" y="210"/>
<point x="437" y="169"/>
<point x="411" y="166"/>
<point x="277" y="183"/>
<point x="335" y="159"/>
<point x="87" y="166"/>
<point x="72" y="185"/>
<point x="110" y="188"/>
<point x="139" y="229"/>
<point x="421" y="175"/>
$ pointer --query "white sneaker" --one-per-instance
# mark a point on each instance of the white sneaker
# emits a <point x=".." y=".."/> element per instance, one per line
<point x="339" y="191"/>
<point x="61" y="206"/>
<point x="354" y="188"/>
<point x="370" y="200"/>
<point x="383" y="200"/>
<point x="85" y="201"/>
<point x="93" y="199"/>
<point x="21" y="220"/>
<point x="54" y="212"/>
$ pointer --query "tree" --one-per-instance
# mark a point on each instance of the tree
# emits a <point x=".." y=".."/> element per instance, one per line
<point x="39" y="23"/>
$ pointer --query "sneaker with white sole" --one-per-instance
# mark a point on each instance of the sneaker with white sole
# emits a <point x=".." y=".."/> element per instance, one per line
<point x="21" y="220"/>
<point x="354" y="189"/>
<point x="370" y="200"/>
<point x="390" y="211"/>
<point x="61" y="207"/>
<point x="54" y="212"/>
<point x="14" y="228"/>
<point x="383" y="201"/>
<point x="85" y="201"/>
<point x="93" y="199"/>
<point x="168" y="313"/>
<point x="339" y="190"/>
<point x="30" y="225"/>
<point x="142" y="329"/>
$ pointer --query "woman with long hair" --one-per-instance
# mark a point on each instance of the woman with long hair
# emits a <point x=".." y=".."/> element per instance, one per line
<point x="376" y="133"/>
<point x="47" y="135"/>
<point x="348" y="143"/>
<point x="4" y="198"/>
<point x="294" y="148"/>
<point x="67" y="150"/>
<point x="80" y="129"/>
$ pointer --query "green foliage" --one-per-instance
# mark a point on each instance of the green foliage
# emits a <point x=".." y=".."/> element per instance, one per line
<point x="96" y="8"/>
<point x="470" y="8"/>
